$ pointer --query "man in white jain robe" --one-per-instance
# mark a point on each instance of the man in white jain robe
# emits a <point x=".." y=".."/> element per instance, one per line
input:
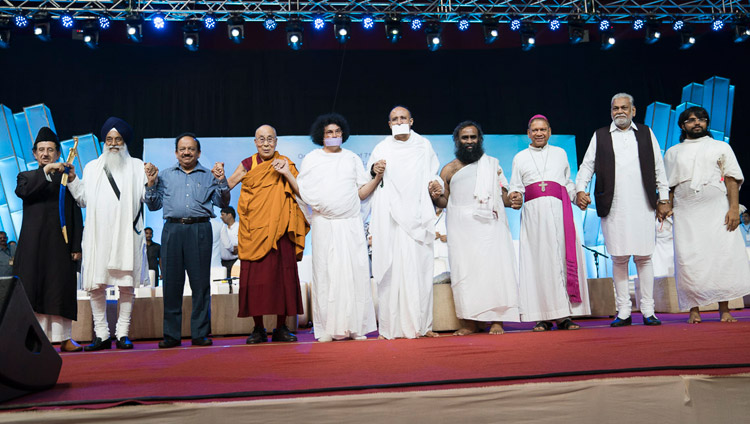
<point x="114" y="246"/>
<point x="342" y="303"/>
<point x="482" y="258"/>
<point x="403" y="231"/>
<point x="543" y="270"/>
<point x="710" y="261"/>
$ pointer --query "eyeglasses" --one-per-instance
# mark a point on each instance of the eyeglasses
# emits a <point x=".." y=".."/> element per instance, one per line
<point x="270" y="139"/>
<point x="694" y="120"/>
<point x="187" y="149"/>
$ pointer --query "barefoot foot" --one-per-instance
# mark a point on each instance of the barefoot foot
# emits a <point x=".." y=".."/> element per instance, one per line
<point x="695" y="316"/>
<point x="497" y="328"/>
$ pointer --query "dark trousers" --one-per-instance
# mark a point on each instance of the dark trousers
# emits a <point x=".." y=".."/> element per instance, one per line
<point x="186" y="247"/>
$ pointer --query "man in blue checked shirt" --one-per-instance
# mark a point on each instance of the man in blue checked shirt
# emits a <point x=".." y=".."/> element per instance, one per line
<point x="188" y="193"/>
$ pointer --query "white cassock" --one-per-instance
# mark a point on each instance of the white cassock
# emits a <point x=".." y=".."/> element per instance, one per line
<point x="341" y="300"/>
<point x="482" y="258"/>
<point x="543" y="272"/>
<point x="710" y="262"/>
<point x="402" y="225"/>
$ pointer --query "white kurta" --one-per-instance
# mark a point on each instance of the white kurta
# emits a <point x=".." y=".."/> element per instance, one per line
<point x="543" y="269"/>
<point x="341" y="301"/>
<point x="482" y="258"/>
<point x="113" y="253"/>
<point x="627" y="228"/>
<point x="710" y="262"/>
<point x="403" y="230"/>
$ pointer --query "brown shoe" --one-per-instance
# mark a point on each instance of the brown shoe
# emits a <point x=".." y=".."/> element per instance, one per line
<point x="70" y="346"/>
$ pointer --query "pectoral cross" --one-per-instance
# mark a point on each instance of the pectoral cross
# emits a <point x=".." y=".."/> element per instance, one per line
<point x="543" y="185"/>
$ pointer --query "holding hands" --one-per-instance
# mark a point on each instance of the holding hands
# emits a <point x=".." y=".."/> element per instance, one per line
<point x="379" y="167"/>
<point x="435" y="189"/>
<point x="583" y="200"/>
<point x="218" y="170"/>
<point x="516" y="200"/>
<point x="281" y="166"/>
<point x="152" y="173"/>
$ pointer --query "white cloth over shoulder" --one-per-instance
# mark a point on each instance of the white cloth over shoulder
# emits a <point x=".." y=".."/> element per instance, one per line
<point x="543" y="270"/>
<point x="710" y="262"/>
<point x="342" y="299"/>
<point x="481" y="254"/>
<point x="113" y="252"/>
<point x="403" y="230"/>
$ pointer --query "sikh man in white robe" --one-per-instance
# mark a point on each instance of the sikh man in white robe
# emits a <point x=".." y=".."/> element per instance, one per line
<point x="402" y="225"/>
<point x="332" y="182"/>
<point x="705" y="180"/>
<point x="480" y="247"/>
<point x="114" y="247"/>
<point x="552" y="274"/>
<point x="631" y="186"/>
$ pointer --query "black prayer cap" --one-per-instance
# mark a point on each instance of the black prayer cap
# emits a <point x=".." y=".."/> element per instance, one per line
<point x="46" y="134"/>
<point x="122" y="127"/>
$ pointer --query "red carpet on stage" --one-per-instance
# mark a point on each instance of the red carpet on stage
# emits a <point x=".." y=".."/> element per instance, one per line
<point x="232" y="370"/>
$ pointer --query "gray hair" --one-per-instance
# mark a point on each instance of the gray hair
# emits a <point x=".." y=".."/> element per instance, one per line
<point x="623" y="95"/>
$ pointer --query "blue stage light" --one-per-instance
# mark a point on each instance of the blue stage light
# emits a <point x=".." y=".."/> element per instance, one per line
<point x="209" y="21"/>
<point x="104" y="22"/>
<point x="158" y="21"/>
<point x="717" y="24"/>
<point x="66" y="21"/>
<point x="21" y="21"/>
<point x="638" y="24"/>
<point x="269" y="23"/>
<point x="604" y="24"/>
<point x="319" y="23"/>
<point x="554" y="24"/>
<point x="678" y="25"/>
<point x="515" y="24"/>
<point x="368" y="22"/>
<point x="463" y="24"/>
<point x="416" y="24"/>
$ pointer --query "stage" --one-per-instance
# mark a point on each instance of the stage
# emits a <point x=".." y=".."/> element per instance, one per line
<point x="673" y="373"/>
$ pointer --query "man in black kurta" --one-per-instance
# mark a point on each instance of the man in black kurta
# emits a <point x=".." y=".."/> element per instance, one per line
<point x="44" y="263"/>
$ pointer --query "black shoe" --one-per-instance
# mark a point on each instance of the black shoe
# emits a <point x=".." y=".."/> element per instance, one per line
<point x="124" y="343"/>
<point x="652" y="320"/>
<point x="282" y="334"/>
<point x="98" y="344"/>
<point x="203" y="341"/>
<point x="619" y="322"/>
<point x="258" y="335"/>
<point x="169" y="342"/>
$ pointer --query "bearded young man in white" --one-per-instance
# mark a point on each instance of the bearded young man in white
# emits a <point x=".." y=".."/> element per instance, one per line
<point x="114" y="247"/>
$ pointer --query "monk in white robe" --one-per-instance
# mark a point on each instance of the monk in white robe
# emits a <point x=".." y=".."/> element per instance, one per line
<point x="114" y="246"/>
<point x="552" y="280"/>
<point x="332" y="182"/>
<point x="704" y="176"/>
<point x="631" y="188"/>
<point x="480" y="247"/>
<point x="402" y="225"/>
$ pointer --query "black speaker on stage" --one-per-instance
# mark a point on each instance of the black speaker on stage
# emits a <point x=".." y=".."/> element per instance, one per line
<point x="28" y="362"/>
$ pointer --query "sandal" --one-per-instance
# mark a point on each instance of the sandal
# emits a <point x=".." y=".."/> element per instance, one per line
<point x="542" y="326"/>
<point x="567" y="324"/>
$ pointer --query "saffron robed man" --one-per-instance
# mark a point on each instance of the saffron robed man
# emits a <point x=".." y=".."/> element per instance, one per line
<point x="631" y="186"/>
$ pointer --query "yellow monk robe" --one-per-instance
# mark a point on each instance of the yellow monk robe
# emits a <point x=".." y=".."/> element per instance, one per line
<point x="267" y="209"/>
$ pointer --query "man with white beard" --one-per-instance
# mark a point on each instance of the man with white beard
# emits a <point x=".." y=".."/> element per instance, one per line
<point x="114" y="247"/>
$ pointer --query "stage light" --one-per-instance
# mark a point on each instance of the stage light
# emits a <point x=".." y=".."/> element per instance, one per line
<point x="41" y="25"/>
<point x="294" y="33"/>
<point x="209" y="21"/>
<point x="416" y="24"/>
<point x="528" y="37"/>
<point x="678" y="25"/>
<point x="158" y="20"/>
<point x="638" y="23"/>
<point x="607" y="40"/>
<point x="577" y="33"/>
<point x="515" y="23"/>
<point x="554" y="24"/>
<point x="269" y="23"/>
<point x="5" y="24"/>
<point x="21" y="21"/>
<point x="104" y="22"/>
<point x="190" y="37"/>
<point x="393" y="28"/>
<point x="66" y="20"/>
<point x="741" y="28"/>
<point x="463" y="24"/>
<point x="90" y="35"/>
<point x="342" y="28"/>
<point x="368" y="22"/>
<point x="604" y="23"/>
<point x="319" y="23"/>
<point x="687" y="40"/>
<point x="490" y="30"/>
<point x="653" y="34"/>
<point x="134" y="27"/>
<point x="236" y="28"/>
<point x="433" y="32"/>
<point x="717" y="24"/>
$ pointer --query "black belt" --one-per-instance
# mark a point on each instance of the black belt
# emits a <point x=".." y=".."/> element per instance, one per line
<point x="187" y="220"/>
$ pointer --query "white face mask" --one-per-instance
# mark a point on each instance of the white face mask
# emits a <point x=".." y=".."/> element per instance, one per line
<point x="400" y="129"/>
<point x="333" y="142"/>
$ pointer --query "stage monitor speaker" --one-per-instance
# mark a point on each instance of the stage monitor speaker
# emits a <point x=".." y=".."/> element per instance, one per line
<point x="28" y="362"/>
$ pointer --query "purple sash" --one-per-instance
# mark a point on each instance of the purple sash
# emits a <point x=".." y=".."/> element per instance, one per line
<point x="553" y="189"/>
